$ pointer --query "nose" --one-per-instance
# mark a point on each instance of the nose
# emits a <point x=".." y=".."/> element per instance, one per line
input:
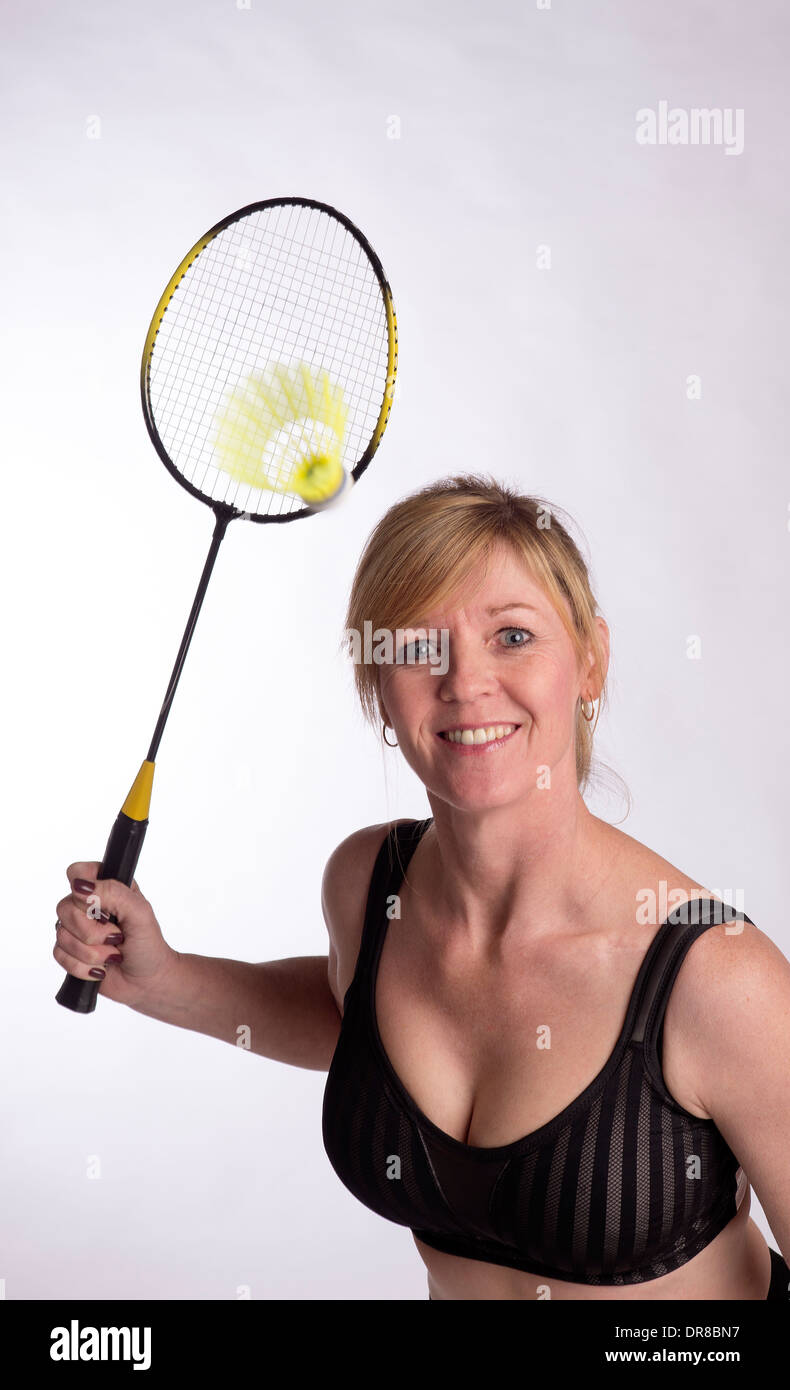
<point x="469" y="671"/>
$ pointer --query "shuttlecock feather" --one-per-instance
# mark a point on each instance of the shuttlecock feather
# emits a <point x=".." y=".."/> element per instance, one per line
<point x="282" y="429"/>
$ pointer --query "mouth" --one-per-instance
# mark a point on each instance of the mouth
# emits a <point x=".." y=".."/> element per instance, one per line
<point x="478" y="735"/>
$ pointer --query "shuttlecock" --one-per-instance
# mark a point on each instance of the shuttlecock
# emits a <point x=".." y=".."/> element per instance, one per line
<point x="282" y="429"/>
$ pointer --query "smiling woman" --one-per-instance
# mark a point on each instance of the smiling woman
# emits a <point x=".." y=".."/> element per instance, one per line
<point x="432" y="544"/>
<point x="553" y="1055"/>
<point x="530" y="1071"/>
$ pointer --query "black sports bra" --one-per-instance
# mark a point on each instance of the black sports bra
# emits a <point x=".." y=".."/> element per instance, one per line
<point x="622" y="1186"/>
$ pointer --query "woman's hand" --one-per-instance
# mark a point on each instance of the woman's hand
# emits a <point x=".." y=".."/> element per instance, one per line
<point x="83" y="928"/>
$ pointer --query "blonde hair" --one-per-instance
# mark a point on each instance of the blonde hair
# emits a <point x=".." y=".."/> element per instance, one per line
<point x="425" y="547"/>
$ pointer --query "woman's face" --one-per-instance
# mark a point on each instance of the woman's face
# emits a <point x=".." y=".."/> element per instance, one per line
<point x="512" y="671"/>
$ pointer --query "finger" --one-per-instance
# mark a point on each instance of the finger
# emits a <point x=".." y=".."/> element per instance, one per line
<point x="83" y="905"/>
<point x="106" y="899"/>
<point x="74" y="946"/>
<point x="80" y="925"/>
<point x="78" y="959"/>
<point x="86" y="871"/>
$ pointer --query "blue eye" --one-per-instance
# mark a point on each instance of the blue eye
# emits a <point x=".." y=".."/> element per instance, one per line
<point x="523" y="635"/>
<point x="421" y="649"/>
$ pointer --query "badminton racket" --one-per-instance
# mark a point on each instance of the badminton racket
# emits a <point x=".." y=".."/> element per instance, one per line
<point x="267" y="379"/>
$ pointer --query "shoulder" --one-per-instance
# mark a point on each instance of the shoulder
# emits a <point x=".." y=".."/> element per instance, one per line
<point x="349" y="867"/>
<point x="731" y="954"/>
<point x="344" y="891"/>
<point x="727" y="965"/>
<point x="730" y="995"/>
<point x="733" y="980"/>
<point x="734" y="1007"/>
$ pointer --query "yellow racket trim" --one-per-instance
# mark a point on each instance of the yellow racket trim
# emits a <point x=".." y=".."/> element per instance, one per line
<point x="138" y="801"/>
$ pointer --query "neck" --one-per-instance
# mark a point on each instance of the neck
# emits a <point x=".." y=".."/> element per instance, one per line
<point x="538" y="862"/>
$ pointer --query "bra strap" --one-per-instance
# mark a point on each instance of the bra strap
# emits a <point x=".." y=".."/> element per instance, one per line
<point x="390" y="865"/>
<point x="665" y="956"/>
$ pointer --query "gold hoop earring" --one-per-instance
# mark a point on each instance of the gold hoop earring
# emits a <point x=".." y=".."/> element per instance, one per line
<point x="386" y="740"/>
<point x="589" y="717"/>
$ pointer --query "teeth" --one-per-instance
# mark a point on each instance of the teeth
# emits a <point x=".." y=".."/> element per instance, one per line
<point x="485" y="734"/>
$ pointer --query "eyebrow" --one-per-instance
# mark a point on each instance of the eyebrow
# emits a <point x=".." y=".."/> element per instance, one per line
<point x="503" y="607"/>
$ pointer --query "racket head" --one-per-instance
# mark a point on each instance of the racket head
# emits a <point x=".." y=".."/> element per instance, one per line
<point x="285" y="280"/>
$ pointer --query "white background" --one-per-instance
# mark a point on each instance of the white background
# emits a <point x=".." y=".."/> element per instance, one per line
<point x="517" y="130"/>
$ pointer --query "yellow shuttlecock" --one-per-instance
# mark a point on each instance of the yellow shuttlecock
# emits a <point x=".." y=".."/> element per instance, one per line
<point x="282" y="429"/>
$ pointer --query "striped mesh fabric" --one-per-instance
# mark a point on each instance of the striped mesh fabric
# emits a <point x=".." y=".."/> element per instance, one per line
<point x="624" y="1185"/>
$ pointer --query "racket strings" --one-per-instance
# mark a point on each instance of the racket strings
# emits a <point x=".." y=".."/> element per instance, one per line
<point x="279" y="287"/>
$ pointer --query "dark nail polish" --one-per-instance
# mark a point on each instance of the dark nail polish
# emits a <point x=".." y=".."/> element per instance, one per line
<point x="115" y="940"/>
<point x="113" y="960"/>
<point x="81" y="885"/>
<point x="99" y="974"/>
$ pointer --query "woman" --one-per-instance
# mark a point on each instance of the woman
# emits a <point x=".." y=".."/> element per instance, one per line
<point x="552" y="1054"/>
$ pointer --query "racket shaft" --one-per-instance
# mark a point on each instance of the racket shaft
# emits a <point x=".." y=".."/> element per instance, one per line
<point x="127" y="835"/>
<point x="119" y="862"/>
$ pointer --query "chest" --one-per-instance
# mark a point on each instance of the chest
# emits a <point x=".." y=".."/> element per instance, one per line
<point x="492" y="1050"/>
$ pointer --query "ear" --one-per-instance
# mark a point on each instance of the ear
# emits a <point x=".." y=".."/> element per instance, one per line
<point x="594" y="678"/>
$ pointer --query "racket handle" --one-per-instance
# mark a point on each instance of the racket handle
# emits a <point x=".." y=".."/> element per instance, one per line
<point x="119" y="862"/>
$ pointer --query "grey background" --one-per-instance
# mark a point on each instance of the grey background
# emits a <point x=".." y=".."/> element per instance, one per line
<point x="517" y="131"/>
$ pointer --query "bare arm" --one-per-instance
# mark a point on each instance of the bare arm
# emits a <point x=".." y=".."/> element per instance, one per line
<point x="734" y="997"/>
<point x="292" y="1007"/>
<point x="286" y="1005"/>
<point x="287" y="1010"/>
